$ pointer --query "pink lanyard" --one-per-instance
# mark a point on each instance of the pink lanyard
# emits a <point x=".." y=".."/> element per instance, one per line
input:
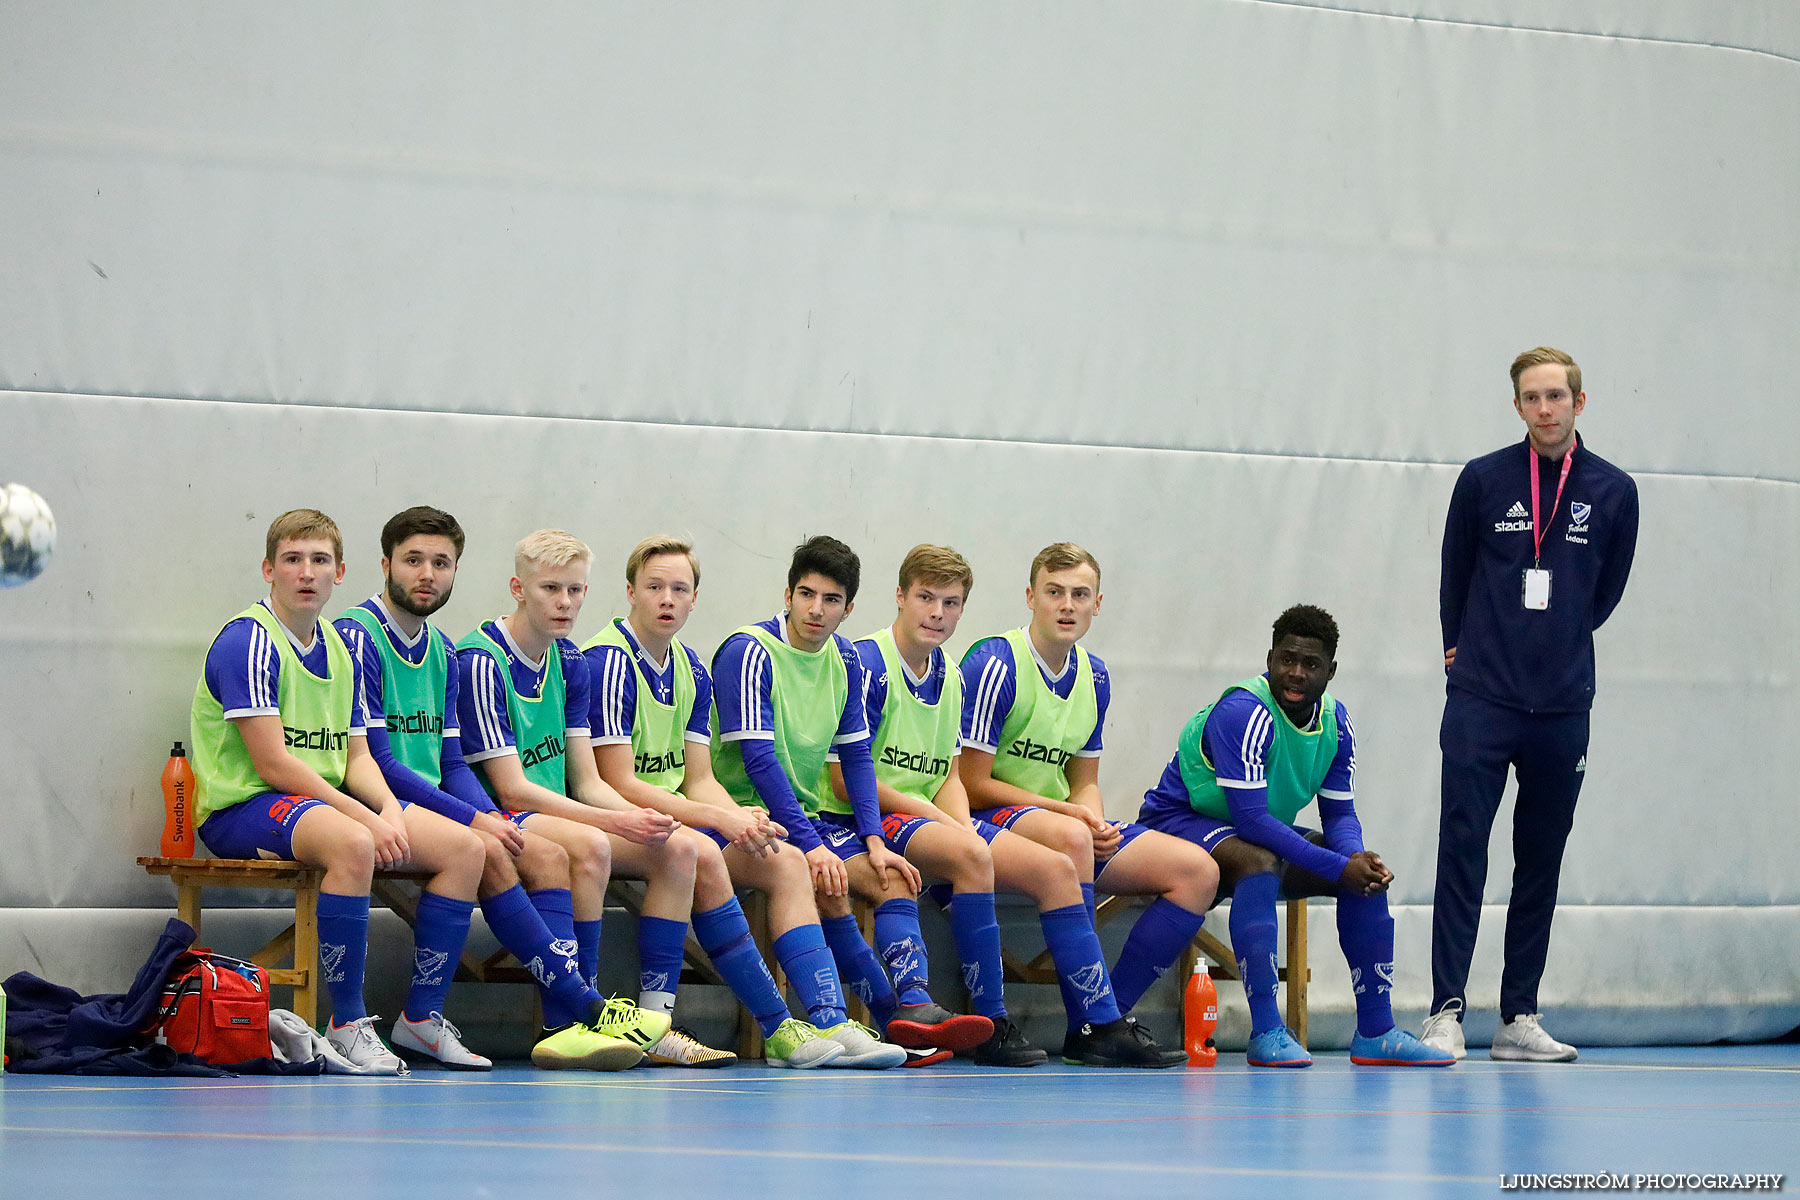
<point x="1537" y="526"/>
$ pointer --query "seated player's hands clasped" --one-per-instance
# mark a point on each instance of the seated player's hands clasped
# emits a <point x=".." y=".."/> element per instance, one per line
<point x="645" y="826"/>
<point x="1106" y="840"/>
<point x="1365" y="874"/>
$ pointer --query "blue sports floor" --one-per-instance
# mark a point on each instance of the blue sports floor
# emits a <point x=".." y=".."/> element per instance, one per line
<point x="952" y="1131"/>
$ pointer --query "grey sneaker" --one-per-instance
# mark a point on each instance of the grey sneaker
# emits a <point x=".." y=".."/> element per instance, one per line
<point x="1443" y="1030"/>
<point x="1523" y="1039"/>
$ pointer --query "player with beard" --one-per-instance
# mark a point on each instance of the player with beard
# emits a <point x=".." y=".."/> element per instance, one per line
<point x="409" y="682"/>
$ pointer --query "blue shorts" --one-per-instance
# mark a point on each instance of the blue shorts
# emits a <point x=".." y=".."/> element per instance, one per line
<point x="1204" y="831"/>
<point x="839" y="833"/>
<point x="897" y="830"/>
<point x="1009" y="815"/>
<point x="260" y="827"/>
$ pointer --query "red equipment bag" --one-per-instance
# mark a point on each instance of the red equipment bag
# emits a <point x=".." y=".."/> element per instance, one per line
<point x="215" y="1007"/>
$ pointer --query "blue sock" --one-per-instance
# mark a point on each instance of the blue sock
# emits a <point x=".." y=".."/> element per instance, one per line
<point x="1366" y="932"/>
<point x="1080" y="967"/>
<point x="858" y="968"/>
<point x="1253" y="941"/>
<point x="1159" y="935"/>
<point x="807" y="963"/>
<point x="439" y="931"/>
<point x="515" y="921"/>
<point x="587" y="951"/>
<point x="343" y="949"/>
<point x="659" y="943"/>
<point x="903" y="949"/>
<point x="977" y="933"/>
<point x="725" y="936"/>
<point x="1087" y="898"/>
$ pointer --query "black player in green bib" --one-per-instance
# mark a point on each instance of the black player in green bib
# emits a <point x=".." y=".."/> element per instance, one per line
<point x="283" y="770"/>
<point x="912" y="695"/>
<point x="1247" y="764"/>
<point x="1034" y="704"/>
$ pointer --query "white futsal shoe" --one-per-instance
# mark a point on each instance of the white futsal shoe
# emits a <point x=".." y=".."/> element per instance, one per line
<point x="438" y="1040"/>
<point x="1443" y="1032"/>
<point x="1523" y="1040"/>
<point x="362" y="1046"/>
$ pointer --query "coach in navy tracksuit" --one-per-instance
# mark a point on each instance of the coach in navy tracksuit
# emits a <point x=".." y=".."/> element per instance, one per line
<point x="1519" y="608"/>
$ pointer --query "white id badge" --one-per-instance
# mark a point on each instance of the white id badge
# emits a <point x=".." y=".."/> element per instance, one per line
<point x="1537" y="588"/>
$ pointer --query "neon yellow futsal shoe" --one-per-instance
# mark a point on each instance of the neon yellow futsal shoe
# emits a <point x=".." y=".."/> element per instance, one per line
<point x="625" y="1020"/>
<point x="579" y="1047"/>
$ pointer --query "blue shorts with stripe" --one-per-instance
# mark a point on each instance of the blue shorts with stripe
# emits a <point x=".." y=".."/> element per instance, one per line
<point x="260" y="827"/>
<point x="1009" y="815"/>
<point x="897" y="830"/>
<point x="839" y="832"/>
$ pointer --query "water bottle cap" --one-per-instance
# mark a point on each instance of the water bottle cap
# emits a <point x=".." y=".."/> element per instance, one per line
<point x="178" y="751"/>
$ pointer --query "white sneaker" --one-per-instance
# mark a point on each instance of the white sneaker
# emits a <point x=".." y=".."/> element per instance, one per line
<point x="862" y="1048"/>
<point x="1523" y="1040"/>
<point x="1443" y="1030"/>
<point x="362" y="1046"/>
<point x="438" y="1040"/>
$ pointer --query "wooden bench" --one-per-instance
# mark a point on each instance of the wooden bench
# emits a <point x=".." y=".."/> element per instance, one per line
<point x="1296" y="974"/>
<point x="298" y="944"/>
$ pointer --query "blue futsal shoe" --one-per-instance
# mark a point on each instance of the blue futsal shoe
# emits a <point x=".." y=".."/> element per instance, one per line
<point x="1276" y="1048"/>
<point x="1397" y="1048"/>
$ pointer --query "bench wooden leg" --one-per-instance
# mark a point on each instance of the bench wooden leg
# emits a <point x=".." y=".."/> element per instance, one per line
<point x="1298" y="973"/>
<point x="187" y="905"/>
<point x="306" y="954"/>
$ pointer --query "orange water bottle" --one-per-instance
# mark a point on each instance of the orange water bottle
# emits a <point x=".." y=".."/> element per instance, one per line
<point x="178" y="805"/>
<point x="1200" y="1017"/>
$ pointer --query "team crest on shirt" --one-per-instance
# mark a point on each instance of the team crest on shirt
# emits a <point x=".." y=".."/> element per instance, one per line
<point x="1578" y="523"/>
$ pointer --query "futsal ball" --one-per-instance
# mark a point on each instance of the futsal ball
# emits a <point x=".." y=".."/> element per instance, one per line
<point x="27" y="535"/>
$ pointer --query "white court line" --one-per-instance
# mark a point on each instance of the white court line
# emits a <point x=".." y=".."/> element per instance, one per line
<point x="690" y="1151"/>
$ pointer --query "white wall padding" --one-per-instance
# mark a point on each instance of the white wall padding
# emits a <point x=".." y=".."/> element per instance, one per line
<point x="1223" y="289"/>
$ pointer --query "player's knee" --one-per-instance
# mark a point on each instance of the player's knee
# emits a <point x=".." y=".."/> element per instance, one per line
<point x="970" y="865"/>
<point x="712" y="879"/>
<point x="590" y="857"/>
<point x="1073" y="839"/>
<point x="1197" y="882"/>
<point x="790" y="870"/>
<point x="833" y="906"/>
<point x="351" y="852"/>
<point x="680" y="854"/>
<point x="496" y="859"/>
<point x="1052" y="876"/>
<point x="543" y="863"/>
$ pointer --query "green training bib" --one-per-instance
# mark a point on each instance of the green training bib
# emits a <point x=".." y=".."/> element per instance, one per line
<point x="538" y="722"/>
<point x="808" y="693"/>
<point x="1296" y="764"/>
<point x="916" y="742"/>
<point x="315" y="715"/>
<point x="1043" y="731"/>
<point x="412" y="696"/>
<point x="658" y="730"/>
